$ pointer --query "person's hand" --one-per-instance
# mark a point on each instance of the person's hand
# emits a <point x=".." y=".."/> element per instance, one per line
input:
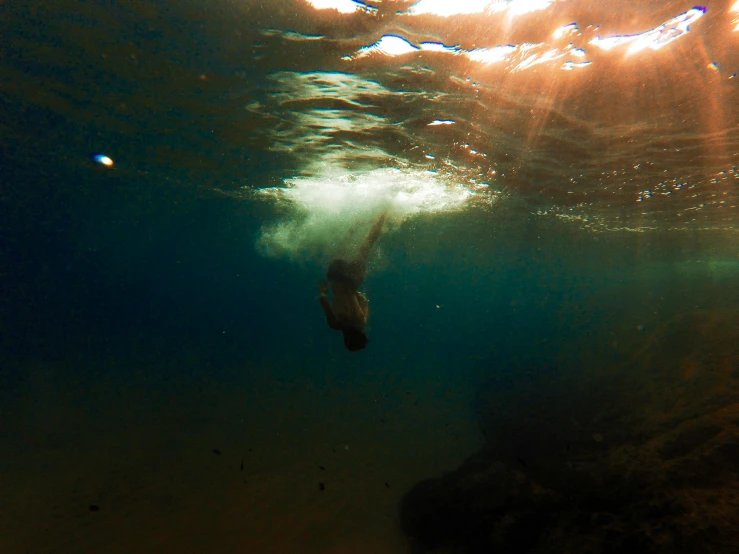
<point x="323" y="286"/>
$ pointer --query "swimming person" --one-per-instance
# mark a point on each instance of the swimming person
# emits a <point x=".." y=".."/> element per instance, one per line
<point x="350" y="308"/>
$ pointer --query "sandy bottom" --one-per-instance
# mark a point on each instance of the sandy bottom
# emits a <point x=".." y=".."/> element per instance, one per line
<point x="222" y="467"/>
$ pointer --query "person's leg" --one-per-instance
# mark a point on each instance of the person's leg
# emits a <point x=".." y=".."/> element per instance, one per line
<point x="364" y="250"/>
<point x="353" y="272"/>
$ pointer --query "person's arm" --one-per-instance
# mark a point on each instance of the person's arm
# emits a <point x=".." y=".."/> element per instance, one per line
<point x="328" y="310"/>
<point x="363" y="305"/>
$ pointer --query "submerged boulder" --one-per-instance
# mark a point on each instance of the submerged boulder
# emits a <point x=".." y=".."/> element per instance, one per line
<point x="484" y="501"/>
<point x="639" y="457"/>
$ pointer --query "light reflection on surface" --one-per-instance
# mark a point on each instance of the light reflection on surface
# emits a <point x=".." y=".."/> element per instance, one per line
<point x="565" y="30"/>
<point x="497" y="100"/>
<point x="570" y="65"/>
<point x="444" y="8"/>
<point x="654" y="38"/>
<point x="346" y="87"/>
<point x="342" y="6"/>
<point x="491" y="55"/>
<point x="531" y="54"/>
<point x="389" y="45"/>
<point x="527" y="54"/>
<point x="290" y="35"/>
<point x="536" y="58"/>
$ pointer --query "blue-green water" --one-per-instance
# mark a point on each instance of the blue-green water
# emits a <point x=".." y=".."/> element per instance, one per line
<point x="552" y="299"/>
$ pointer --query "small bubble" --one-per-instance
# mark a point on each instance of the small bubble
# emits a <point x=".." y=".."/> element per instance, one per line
<point x="102" y="159"/>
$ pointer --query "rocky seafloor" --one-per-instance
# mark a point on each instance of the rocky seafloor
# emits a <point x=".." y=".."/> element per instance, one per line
<point x="638" y="454"/>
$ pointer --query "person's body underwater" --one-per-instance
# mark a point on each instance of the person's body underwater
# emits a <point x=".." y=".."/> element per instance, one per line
<point x="350" y="308"/>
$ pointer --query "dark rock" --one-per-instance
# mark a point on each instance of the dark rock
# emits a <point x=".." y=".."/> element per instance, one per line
<point x="728" y="449"/>
<point x="690" y="436"/>
<point x="482" y="504"/>
<point x="639" y="458"/>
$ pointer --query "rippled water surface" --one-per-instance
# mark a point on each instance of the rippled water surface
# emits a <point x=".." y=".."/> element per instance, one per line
<point x="614" y="115"/>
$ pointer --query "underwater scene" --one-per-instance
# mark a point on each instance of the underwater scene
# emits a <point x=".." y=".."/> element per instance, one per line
<point x="369" y="277"/>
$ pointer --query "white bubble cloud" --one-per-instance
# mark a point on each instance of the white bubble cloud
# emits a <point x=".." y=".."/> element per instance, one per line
<point x="327" y="215"/>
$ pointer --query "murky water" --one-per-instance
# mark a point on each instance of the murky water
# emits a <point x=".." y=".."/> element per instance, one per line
<point x="551" y="295"/>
